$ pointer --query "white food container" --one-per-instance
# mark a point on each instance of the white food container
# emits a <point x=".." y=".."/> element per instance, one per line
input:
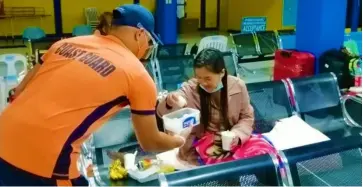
<point x="181" y="119"/>
<point x="145" y="176"/>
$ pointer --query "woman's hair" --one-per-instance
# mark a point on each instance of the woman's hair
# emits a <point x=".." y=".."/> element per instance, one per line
<point x="103" y="22"/>
<point x="212" y="60"/>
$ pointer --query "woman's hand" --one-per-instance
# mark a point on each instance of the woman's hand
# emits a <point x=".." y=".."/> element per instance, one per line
<point x="176" y="99"/>
<point x="235" y="142"/>
<point x="217" y="152"/>
<point x="241" y="137"/>
<point x="214" y="151"/>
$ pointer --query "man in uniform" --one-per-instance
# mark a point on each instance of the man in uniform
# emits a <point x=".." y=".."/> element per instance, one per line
<point x="82" y="82"/>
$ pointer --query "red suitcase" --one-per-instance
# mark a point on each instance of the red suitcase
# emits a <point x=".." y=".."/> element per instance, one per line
<point x="291" y="64"/>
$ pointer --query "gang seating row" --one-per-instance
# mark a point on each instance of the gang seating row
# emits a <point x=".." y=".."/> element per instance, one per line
<point x="266" y="42"/>
<point x="168" y="50"/>
<point x="175" y="70"/>
<point x="331" y="163"/>
<point x="163" y="51"/>
<point x="219" y="42"/>
<point x="317" y="100"/>
<point x="255" y="46"/>
<point x="287" y="40"/>
<point x="183" y="59"/>
<point x="271" y="101"/>
<point x="170" y="71"/>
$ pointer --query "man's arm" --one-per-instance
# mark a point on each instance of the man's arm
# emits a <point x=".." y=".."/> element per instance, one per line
<point x="142" y="97"/>
<point x="149" y="136"/>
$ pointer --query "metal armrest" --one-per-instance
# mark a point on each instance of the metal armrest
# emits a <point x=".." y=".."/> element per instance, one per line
<point x="87" y="156"/>
<point x="86" y="160"/>
<point x="286" y="176"/>
<point x="347" y="117"/>
<point x="86" y="150"/>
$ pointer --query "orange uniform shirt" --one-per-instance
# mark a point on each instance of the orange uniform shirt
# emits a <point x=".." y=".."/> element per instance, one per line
<point x="82" y="83"/>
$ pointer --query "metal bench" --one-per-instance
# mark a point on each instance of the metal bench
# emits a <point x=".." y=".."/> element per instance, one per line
<point x="319" y="102"/>
<point x="230" y="60"/>
<point x="258" y="171"/>
<point x="267" y="42"/>
<point x="271" y="102"/>
<point x="171" y="50"/>
<point x="330" y="163"/>
<point x="174" y="70"/>
<point x="245" y="44"/>
<point x="286" y="32"/>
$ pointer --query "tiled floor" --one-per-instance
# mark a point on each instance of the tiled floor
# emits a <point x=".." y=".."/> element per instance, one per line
<point x="251" y="72"/>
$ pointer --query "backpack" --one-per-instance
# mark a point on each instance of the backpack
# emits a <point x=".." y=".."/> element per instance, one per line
<point x="338" y="61"/>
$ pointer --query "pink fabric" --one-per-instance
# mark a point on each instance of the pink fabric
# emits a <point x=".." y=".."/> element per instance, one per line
<point x="256" y="145"/>
<point x="358" y="81"/>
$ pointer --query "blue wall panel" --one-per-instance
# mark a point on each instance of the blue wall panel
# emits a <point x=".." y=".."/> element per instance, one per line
<point x="289" y="13"/>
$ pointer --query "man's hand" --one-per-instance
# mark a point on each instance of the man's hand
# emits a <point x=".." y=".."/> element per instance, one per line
<point x="183" y="134"/>
<point x="149" y="136"/>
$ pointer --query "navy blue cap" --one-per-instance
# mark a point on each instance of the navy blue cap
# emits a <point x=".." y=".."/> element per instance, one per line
<point x="135" y="15"/>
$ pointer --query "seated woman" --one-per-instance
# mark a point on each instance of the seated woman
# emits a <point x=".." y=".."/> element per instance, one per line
<point x="224" y="104"/>
<point x="105" y="23"/>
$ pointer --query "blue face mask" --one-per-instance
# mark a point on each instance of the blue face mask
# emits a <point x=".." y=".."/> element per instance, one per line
<point x="219" y="87"/>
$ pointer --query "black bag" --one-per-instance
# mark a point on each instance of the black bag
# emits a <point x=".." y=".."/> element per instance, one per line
<point x="337" y="61"/>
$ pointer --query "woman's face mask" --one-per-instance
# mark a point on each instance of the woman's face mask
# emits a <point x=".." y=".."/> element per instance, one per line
<point x="219" y="87"/>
